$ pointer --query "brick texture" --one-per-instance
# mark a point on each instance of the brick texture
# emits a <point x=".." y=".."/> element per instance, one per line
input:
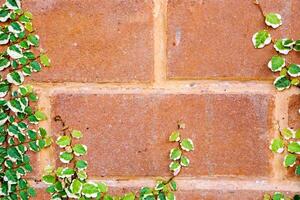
<point x="294" y="106"/>
<point x="212" y="39"/>
<point x="95" y="40"/>
<point x="133" y="128"/>
<point x="126" y="71"/>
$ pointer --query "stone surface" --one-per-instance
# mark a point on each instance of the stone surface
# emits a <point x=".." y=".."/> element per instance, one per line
<point x="212" y="39"/>
<point x="95" y="40"/>
<point x="293" y="112"/>
<point x="127" y="133"/>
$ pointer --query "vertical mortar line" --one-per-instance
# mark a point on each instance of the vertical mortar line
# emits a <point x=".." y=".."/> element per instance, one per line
<point x="160" y="40"/>
<point x="281" y="120"/>
<point x="45" y="157"/>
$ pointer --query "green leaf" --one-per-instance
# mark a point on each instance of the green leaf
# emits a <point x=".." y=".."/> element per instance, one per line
<point x="175" y="167"/>
<point x="4" y="63"/>
<point x="81" y="164"/>
<point x="79" y="149"/>
<point x="278" y="196"/>
<point x="289" y="160"/>
<point x="45" y="60"/>
<point x="15" y="51"/>
<point x="63" y="141"/>
<point x="67" y="172"/>
<point x="33" y="40"/>
<point x="65" y="157"/>
<point x="276" y="63"/>
<point x="294" y="147"/>
<point x="3" y="118"/>
<point x="288" y="133"/>
<point x="49" y="179"/>
<point x="187" y="144"/>
<point x="294" y="70"/>
<point x="129" y="196"/>
<point x="297" y="45"/>
<point x="282" y="82"/>
<point x="15" y="77"/>
<point x="4" y="15"/>
<point x="76" y="186"/>
<point x="40" y="115"/>
<point x="175" y="154"/>
<point x="13" y="4"/>
<point x="76" y="134"/>
<point x="16" y="28"/>
<point x="277" y="145"/>
<point x="261" y="39"/>
<point x="173" y="185"/>
<point x="175" y="136"/>
<point x="90" y="190"/>
<point x="184" y="161"/>
<point x="273" y="20"/>
<point x="279" y="46"/>
<point x="159" y="186"/>
<point x="4" y="87"/>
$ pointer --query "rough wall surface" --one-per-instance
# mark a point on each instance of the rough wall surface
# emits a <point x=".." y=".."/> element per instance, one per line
<point x="125" y="71"/>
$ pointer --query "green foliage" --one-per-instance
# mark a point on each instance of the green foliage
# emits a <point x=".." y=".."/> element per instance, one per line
<point x="18" y="119"/>
<point x="71" y="181"/>
<point x="288" y="140"/>
<point x="289" y="73"/>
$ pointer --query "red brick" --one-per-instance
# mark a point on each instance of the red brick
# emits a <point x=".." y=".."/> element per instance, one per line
<point x="221" y="194"/>
<point x="294" y="116"/>
<point x="212" y="39"/>
<point x="95" y="40"/>
<point x="127" y="133"/>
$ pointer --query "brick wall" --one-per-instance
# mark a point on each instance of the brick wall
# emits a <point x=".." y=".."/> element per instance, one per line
<point x="125" y="71"/>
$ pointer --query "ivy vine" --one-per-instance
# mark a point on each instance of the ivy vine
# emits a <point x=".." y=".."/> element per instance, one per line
<point x="71" y="181"/>
<point x="20" y="133"/>
<point x="19" y="130"/>
<point x="288" y="141"/>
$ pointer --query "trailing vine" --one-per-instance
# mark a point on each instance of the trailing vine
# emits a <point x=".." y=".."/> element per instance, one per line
<point x="19" y="131"/>
<point x="288" y="141"/>
<point x="71" y="181"/>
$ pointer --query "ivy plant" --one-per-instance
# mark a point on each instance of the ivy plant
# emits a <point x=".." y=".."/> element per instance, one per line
<point x="71" y="180"/>
<point x="19" y="130"/>
<point x="288" y="141"/>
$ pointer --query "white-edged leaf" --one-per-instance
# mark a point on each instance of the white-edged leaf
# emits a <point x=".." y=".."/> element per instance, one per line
<point x="13" y="4"/>
<point x="187" y="144"/>
<point x="294" y="70"/>
<point x="261" y="39"/>
<point x="282" y="82"/>
<point x="277" y="145"/>
<point x="279" y="46"/>
<point x="15" y="77"/>
<point x="15" y="51"/>
<point x="276" y="63"/>
<point x="273" y="19"/>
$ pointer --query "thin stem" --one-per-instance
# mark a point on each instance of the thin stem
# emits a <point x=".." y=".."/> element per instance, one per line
<point x="256" y="2"/>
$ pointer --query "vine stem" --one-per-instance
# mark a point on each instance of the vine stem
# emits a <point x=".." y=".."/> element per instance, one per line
<point x="256" y="2"/>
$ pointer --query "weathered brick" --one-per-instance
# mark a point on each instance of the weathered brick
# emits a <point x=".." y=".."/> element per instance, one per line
<point x="293" y="112"/>
<point x="222" y="194"/>
<point x="212" y="39"/>
<point x="95" y="40"/>
<point x="127" y="133"/>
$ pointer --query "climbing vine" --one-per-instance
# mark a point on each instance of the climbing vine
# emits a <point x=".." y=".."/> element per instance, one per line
<point x="288" y="141"/>
<point x="19" y="131"/>
<point x="71" y="181"/>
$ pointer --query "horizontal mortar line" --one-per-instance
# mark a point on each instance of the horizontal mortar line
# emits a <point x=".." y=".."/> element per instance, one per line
<point x="185" y="184"/>
<point x="175" y="87"/>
